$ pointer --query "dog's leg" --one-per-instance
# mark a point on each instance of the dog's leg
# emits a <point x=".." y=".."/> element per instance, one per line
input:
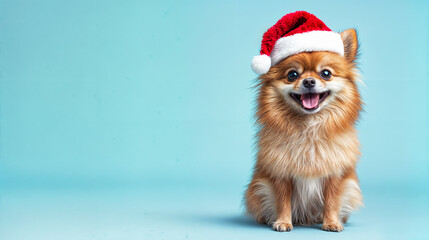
<point x="332" y="195"/>
<point x="283" y="191"/>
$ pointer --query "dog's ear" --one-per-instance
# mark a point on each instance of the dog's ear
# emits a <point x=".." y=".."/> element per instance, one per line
<point x="351" y="45"/>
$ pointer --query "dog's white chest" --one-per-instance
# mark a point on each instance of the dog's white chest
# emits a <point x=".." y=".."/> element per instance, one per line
<point x="307" y="200"/>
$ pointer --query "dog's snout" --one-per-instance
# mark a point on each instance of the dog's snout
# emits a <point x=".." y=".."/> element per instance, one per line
<point x="309" y="82"/>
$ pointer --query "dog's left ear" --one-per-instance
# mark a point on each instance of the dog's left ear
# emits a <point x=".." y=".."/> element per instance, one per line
<point x="350" y="41"/>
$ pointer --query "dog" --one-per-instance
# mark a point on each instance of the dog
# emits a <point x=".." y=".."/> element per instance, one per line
<point x="305" y="172"/>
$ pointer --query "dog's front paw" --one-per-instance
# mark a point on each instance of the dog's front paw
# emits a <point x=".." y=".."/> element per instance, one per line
<point x="333" y="227"/>
<point x="281" y="226"/>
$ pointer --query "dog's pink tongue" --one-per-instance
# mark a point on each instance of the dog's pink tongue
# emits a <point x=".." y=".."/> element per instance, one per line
<point x="310" y="100"/>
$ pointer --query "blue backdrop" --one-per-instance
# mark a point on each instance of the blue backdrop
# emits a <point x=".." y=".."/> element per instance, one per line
<point x="156" y="96"/>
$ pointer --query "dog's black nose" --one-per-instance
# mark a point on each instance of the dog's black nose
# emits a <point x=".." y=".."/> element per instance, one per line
<point x="309" y="82"/>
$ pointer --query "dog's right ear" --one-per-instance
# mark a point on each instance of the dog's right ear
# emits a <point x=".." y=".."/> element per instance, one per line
<point x="350" y="41"/>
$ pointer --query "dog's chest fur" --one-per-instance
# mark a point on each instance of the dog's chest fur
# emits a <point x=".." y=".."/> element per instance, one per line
<point x="308" y="153"/>
<point x="307" y="200"/>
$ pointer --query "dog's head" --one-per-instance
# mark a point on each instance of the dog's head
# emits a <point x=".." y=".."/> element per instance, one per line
<point x="313" y="82"/>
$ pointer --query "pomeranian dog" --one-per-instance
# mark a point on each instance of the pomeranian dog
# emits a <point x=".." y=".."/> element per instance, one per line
<point x="308" y="104"/>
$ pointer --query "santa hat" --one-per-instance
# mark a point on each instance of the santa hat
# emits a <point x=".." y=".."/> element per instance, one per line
<point x="295" y="33"/>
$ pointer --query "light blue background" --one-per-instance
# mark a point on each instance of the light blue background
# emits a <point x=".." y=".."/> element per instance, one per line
<point x="133" y="119"/>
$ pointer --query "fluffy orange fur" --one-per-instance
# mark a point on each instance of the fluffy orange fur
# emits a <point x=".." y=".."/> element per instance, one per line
<point x="305" y="170"/>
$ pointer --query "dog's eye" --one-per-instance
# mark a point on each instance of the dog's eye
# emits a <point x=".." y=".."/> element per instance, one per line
<point x="325" y="74"/>
<point x="292" y="75"/>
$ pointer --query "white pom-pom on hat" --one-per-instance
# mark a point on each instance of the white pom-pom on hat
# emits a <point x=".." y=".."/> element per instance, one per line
<point x="261" y="64"/>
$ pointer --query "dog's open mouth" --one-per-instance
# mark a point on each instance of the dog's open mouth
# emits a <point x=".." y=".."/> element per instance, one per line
<point x="310" y="101"/>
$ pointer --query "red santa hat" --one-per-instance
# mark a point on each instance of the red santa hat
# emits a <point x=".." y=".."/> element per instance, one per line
<point x="295" y="33"/>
